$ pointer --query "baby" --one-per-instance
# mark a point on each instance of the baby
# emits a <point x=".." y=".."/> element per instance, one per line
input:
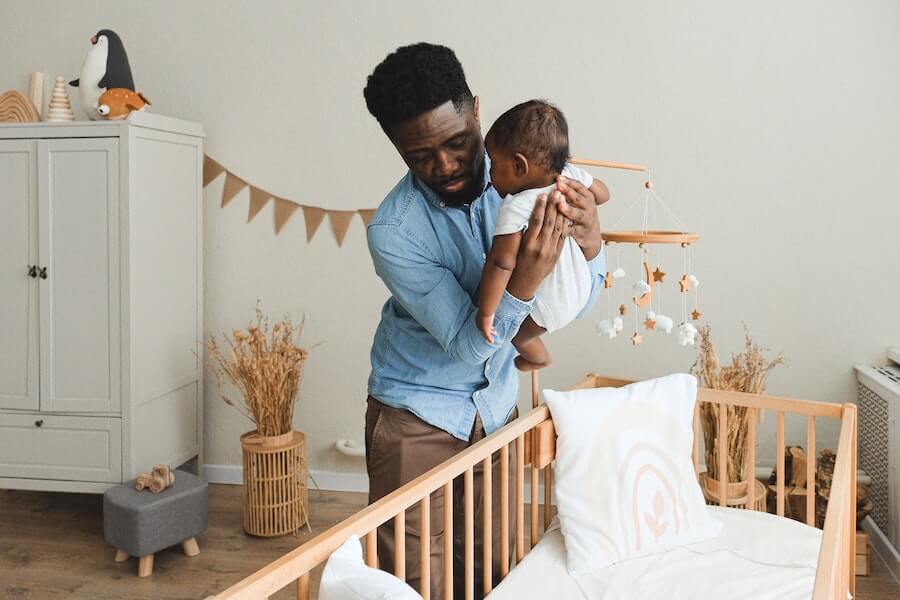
<point x="529" y="149"/>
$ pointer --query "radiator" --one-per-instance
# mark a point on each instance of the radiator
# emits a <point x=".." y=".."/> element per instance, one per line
<point x="878" y="398"/>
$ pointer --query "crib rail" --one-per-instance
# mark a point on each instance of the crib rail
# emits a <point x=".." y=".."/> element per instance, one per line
<point x="296" y="565"/>
<point x="534" y="439"/>
<point x="837" y="559"/>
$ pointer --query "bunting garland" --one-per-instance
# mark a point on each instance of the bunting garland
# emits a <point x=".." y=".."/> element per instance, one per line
<point x="284" y="208"/>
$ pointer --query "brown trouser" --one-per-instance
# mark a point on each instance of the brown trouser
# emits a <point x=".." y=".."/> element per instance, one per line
<point x="400" y="447"/>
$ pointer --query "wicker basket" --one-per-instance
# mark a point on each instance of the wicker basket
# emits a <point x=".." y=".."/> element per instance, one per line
<point x="736" y="492"/>
<point x="275" y="493"/>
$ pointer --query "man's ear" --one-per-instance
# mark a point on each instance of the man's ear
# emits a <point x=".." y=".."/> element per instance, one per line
<point x="520" y="164"/>
<point x="475" y="108"/>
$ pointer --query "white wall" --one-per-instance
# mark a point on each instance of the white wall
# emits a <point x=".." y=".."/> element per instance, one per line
<point x="772" y="128"/>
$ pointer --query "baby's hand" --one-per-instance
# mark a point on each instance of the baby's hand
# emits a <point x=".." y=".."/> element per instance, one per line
<point x="485" y="325"/>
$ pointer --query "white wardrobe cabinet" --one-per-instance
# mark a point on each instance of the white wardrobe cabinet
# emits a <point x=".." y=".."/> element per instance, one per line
<point x="101" y="306"/>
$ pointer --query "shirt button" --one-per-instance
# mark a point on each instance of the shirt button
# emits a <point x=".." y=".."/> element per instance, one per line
<point x="443" y="205"/>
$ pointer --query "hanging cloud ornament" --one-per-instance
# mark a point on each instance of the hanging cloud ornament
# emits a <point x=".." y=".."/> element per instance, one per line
<point x="641" y="287"/>
<point x="618" y="324"/>
<point x="694" y="281"/>
<point x="619" y="273"/>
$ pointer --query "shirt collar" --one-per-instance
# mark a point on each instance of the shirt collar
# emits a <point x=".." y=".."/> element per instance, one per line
<point x="436" y="201"/>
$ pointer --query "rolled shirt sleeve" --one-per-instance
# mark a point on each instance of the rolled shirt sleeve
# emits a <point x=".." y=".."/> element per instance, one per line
<point x="430" y="293"/>
<point x="597" y="268"/>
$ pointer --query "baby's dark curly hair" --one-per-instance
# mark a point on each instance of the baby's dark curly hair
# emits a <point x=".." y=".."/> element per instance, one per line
<point x="413" y="80"/>
<point x="536" y="129"/>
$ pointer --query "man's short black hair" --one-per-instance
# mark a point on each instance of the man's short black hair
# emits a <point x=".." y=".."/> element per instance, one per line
<point x="536" y="129"/>
<point x="414" y="80"/>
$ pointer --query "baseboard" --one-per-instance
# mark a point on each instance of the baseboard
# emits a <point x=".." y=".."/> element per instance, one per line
<point x="883" y="548"/>
<point x="332" y="481"/>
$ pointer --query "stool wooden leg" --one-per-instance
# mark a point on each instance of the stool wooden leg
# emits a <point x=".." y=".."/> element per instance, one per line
<point x="121" y="556"/>
<point x="190" y="547"/>
<point x="145" y="566"/>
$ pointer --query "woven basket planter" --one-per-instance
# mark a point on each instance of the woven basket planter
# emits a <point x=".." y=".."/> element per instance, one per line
<point x="275" y="493"/>
<point x="735" y="492"/>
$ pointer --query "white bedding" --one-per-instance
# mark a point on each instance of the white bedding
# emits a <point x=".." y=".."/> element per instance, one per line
<point x="757" y="556"/>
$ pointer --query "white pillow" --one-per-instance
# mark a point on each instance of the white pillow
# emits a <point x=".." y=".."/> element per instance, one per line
<point x="624" y="479"/>
<point x="347" y="577"/>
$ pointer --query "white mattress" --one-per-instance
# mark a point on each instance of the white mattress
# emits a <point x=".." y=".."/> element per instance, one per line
<point x="757" y="556"/>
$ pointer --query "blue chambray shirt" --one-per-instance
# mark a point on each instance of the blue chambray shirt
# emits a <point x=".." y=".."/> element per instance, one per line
<point x="428" y="357"/>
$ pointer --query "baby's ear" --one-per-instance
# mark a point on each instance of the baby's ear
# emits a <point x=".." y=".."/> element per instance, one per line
<point x="520" y="164"/>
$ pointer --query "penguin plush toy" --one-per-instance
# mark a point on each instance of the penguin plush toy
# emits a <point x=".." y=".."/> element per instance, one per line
<point x="105" y="67"/>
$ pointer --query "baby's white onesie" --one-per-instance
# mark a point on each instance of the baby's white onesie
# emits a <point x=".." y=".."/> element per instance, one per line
<point x="565" y="291"/>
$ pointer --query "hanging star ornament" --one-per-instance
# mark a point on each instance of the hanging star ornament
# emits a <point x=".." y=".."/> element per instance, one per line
<point x="636" y="338"/>
<point x="650" y="324"/>
<point x="607" y="282"/>
<point x="658" y="275"/>
<point x="622" y="309"/>
<point x="696" y="314"/>
<point x="684" y="283"/>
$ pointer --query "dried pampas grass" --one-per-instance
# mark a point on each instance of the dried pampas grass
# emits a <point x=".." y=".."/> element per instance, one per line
<point x="747" y="372"/>
<point x="266" y="366"/>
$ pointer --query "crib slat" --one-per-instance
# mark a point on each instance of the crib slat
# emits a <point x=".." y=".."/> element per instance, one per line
<point x="487" y="541"/>
<point x="448" y="539"/>
<point x="372" y="549"/>
<point x="548" y="496"/>
<point x="425" y="547"/>
<point x="779" y="463"/>
<point x="400" y="545"/>
<point x="695" y="453"/>
<point x="504" y="510"/>
<point x="469" y="508"/>
<point x="751" y="459"/>
<point x="844" y="567"/>
<point x="811" y="470"/>
<point x="722" y="442"/>
<point x="520" y="498"/>
<point x="851" y="516"/>
<point x="535" y="490"/>
<point x="303" y="587"/>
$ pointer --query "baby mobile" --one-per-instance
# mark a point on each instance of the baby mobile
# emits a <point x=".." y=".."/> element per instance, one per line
<point x="642" y="301"/>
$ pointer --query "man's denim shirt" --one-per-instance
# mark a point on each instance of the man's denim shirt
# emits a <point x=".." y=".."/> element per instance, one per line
<point x="428" y="357"/>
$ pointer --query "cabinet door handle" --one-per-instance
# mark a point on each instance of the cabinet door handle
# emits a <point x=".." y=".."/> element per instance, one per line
<point x="33" y="271"/>
<point x="43" y="272"/>
<point x="39" y="422"/>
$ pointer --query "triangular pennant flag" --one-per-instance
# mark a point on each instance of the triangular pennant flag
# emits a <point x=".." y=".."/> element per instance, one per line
<point x="211" y="170"/>
<point x="340" y="222"/>
<point x="366" y="214"/>
<point x="313" y="217"/>
<point x="233" y="185"/>
<point x="284" y="209"/>
<point x="258" y="199"/>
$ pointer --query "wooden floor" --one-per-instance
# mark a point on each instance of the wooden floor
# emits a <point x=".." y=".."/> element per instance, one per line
<point x="51" y="546"/>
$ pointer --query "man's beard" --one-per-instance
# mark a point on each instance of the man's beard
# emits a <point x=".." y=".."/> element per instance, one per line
<point x="473" y="189"/>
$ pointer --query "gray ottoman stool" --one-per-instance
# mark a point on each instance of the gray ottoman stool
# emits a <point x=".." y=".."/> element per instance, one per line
<point x="141" y="523"/>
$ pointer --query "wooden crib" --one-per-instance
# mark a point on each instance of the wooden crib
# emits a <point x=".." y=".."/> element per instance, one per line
<point x="534" y="437"/>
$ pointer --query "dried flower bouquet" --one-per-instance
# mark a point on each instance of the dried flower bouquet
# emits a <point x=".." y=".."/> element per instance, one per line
<point x="266" y="367"/>
<point x="747" y="372"/>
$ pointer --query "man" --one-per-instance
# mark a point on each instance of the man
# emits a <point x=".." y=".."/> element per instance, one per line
<point x="437" y="386"/>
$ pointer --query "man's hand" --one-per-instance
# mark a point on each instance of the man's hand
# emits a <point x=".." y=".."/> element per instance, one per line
<point x="541" y="246"/>
<point x="581" y="208"/>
